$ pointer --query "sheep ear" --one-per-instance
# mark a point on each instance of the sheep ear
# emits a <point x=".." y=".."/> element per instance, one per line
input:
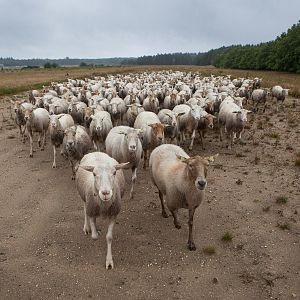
<point x="236" y="112"/>
<point x="211" y="158"/>
<point x="249" y="111"/>
<point x="88" y="168"/>
<point x="182" y="158"/>
<point x="122" y="166"/>
<point x="129" y="105"/>
<point x="181" y="114"/>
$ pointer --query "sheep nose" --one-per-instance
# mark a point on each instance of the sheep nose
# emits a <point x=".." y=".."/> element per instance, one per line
<point x="201" y="183"/>
<point x="51" y="113"/>
<point x="105" y="193"/>
<point x="70" y="144"/>
<point x="211" y="126"/>
<point x="70" y="110"/>
<point x="132" y="147"/>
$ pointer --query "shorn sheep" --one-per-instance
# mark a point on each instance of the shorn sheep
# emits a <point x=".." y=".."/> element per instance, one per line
<point x="100" y="183"/>
<point x="181" y="180"/>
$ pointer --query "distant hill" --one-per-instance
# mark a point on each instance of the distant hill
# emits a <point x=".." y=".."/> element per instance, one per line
<point x="11" y="62"/>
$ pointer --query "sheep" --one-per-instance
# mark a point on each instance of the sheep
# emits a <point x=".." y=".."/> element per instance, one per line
<point x="206" y="121"/>
<point x="124" y="145"/>
<point x="151" y="103"/>
<point x="19" y="108"/>
<point x="233" y="119"/>
<point x="76" y="110"/>
<point x="99" y="128"/>
<point x="58" y="125"/>
<point x="279" y="93"/>
<point x="132" y="112"/>
<point x="76" y="144"/>
<point x="117" y="109"/>
<point x="171" y="100"/>
<point x="100" y="183"/>
<point x="188" y="122"/>
<point x="167" y="116"/>
<point x="152" y="132"/>
<point x="37" y="120"/>
<point x="58" y="106"/>
<point x="259" y="96"/>
<point x="181" y="179"/>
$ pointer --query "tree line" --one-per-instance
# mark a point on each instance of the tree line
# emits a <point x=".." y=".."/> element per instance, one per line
<point x="282" y="54"/>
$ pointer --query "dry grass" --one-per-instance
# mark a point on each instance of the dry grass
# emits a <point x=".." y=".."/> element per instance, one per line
<point x="15" y="81"/>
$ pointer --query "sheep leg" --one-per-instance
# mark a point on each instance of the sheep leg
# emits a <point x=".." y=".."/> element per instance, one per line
<point x="201" y="138"/>
<point x="109" y="236"/>
<point x="163" y="208"/>
<point x="31" y="143"/>
<point x="44" y="140"/>
<point x="87" y="226"/>
<point x="54" y="157"/>
<point x="39" y="139"/>
<point x="191" y="244"/>
<point x="145" y="159"/>
<point x="221" y="133"/>
<point x="73" y="170"/>
<point x="175" y="216"/>
<point x="95" y="234"/>
<point x="133" y="179"/>
<point x="192" y="140"/>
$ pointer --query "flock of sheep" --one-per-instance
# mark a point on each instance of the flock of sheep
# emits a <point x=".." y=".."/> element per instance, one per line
<point x="105" y="125"/>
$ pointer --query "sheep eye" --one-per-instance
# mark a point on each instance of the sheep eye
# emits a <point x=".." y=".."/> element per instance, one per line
<point x="114" y="173"/>
<point x="94" y="174"/>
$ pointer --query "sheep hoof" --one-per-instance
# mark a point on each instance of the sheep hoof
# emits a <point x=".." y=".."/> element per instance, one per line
<point x="53" y="166"/>
<point x="164" y="214"/>
<point x="30" y="155"/>
<point x="42" y="149"/>
<point x="191" y="246"/>
<point x="95" y="236"/>
<point x="177" y="225"/>
<point x="109" y="264"/>
<point x="86" y="230"/>
<point x="190" y="148"/>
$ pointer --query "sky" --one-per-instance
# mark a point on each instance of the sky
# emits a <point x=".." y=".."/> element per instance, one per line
<point x="131" y="28"/>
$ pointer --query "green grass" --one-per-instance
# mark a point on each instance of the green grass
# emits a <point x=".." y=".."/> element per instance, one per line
<point x="281" y="200"/>
<point x="209" y="250"/>
<point x="227" y="237"/>
<point x="284" y="226"/>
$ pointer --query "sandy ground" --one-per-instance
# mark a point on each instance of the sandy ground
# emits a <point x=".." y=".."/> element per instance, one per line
<point x="45" y="255"/>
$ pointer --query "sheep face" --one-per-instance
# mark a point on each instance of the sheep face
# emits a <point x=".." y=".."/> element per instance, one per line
<point x="53" y="121"/>
<point x="242" y="115"/>
<point x="197" y="170"/>
<point x="104" y="179"/>
<point x="158" y="133"/>
<point x="132" y="138"/>
<point x="70" y="140"/>
<point x="28" y="114"/>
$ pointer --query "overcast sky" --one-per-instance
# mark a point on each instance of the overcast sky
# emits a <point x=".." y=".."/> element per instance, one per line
<point x="123" y="28"/>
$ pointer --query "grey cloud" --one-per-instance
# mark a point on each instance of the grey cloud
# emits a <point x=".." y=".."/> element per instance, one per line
<point x="101" y="28"/>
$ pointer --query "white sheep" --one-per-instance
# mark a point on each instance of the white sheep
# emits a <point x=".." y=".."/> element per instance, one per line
<point x="152" y="132"/>
<point x="100" y="126"/>
<point x="100" y="183"/>
<point x="124" y="145"/>
<point x="37" y="120"/>
<point x="181" y="180"/>
<point x="233" y="119"/>
<point x="58" y="125"/>
<point x="76" y="144"/>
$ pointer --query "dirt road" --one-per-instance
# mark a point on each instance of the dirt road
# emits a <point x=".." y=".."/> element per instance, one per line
<point x="45" y="255"/>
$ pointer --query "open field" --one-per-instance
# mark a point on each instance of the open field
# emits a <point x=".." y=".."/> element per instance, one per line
<point x="14" y="81"/>
<point x="246" y="231"/>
